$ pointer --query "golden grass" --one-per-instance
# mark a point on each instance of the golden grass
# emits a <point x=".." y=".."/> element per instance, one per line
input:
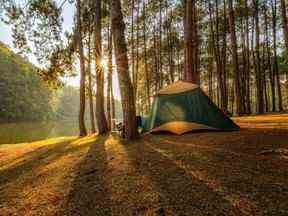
<point x="34" y="175"/>
<point x="278" y="121"/>
<point x="273" y="118"/>
<point x="212" y="173"/>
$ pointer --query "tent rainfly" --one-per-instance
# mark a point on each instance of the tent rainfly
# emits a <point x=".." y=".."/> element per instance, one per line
<point x="182" y="107"/>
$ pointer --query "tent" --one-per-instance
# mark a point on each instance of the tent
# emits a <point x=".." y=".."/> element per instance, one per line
<point x="182" y="107"/>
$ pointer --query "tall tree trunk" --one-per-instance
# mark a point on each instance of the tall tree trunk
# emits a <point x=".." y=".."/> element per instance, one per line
<point x="156" y="62"/>
<point x="82" y="128"/>
<point x="90" y="90"/>
<point x="248" y="101"/>
<point x="219" y="54"/>
<point x="269" y="67"/>
<point x="113" y="111"/>
<point x="132" y="44"/>
<point x="179" y="70"/>
<point x="211" y="57"/>
<point x="285" y="33"/>
<point x="275" y="62"/>
<point x="224" y="60"/>
<point x="265" y="91"/>
<point x="258" y="72"/>
<point x="169" y="43"/>
<point x="109" y="79"/>
<point x="100" y="112"/>
<point x="191" y="43"/>
<point x="244" y="64"/>
<point x="210" y="77"/>
<point x="253" y="57"/>
<point x="235" y="58"/>
<point x="232" y="97"/>
<point x="285" y="27"/>
<point x="160" y="45"/>
<point x="147" y="76"/>
<point x="126" y="88"/>
<point x="135" y="82"/>
<point x="184" y="3"/>
<point x="264" y="66"/>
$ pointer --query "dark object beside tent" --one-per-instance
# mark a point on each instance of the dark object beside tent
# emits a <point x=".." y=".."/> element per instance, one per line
<point x="182" y="107"/>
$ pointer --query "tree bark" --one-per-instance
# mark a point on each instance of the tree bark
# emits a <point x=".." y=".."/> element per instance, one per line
<point x="170" y="43"/>
<point x="269" y="67"/>
<point x="90" y="90"/>
<point x="156" y="62"/>
<point x="109" y="80"/>
<point x="224" y="56"/>
<point x="126" y="88"/>
<point x="248" y="100"/>
<point x="147" y="76"/>
<point x="132" y="45"/>
<point x="135" y="82"/>
<point x="235" y="57"/>
<point x="160" y="46"/>
<point x="285" y="26"/>
<point x="100" y="112"/>
<point x="285" y="33"/>
<point x="258" y="72"/>
<point x="191" y="43"/>
<point x="244" y="64"/>
<point x="82" y="128"/>
<point x="275" y="62"/>
<point x="219" y="54"/>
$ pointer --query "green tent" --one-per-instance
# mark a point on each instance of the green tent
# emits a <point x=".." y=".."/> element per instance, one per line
<point x="182" y="107"/>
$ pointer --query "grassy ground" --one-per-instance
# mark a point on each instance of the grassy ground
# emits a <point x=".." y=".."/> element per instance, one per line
<point x="211" y="173"/>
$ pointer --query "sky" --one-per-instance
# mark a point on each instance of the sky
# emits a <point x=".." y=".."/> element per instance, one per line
<point x="67" y="14"/>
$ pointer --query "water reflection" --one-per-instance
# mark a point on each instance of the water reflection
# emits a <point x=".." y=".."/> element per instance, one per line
<point x="32" y="131"/>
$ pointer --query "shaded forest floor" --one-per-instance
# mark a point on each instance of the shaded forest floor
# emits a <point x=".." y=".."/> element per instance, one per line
<point x="211" y="173"/>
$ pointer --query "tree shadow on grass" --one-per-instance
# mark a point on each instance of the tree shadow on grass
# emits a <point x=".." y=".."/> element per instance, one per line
<point x="89" y="193"/>
<point x="27" y="173"/>
<point x="32" y="160"/>
<point x="235" y="166"/>
<point x="180" y="192"/>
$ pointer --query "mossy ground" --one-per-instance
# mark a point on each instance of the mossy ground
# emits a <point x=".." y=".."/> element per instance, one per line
<point x="211" y="173"/>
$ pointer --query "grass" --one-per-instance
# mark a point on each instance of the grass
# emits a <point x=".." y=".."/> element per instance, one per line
<point x="208" y="173"/>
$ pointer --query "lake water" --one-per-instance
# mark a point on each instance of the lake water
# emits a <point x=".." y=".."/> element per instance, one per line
<point x="33" y="131"/>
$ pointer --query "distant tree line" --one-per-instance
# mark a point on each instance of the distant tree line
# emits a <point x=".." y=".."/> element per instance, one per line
<point x="23" y="94"/>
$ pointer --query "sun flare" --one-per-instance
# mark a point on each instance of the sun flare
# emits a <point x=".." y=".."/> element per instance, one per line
<point x="104" y="62"/>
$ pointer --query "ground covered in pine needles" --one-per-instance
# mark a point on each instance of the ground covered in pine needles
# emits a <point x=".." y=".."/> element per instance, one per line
<point x="212" y="173"/>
